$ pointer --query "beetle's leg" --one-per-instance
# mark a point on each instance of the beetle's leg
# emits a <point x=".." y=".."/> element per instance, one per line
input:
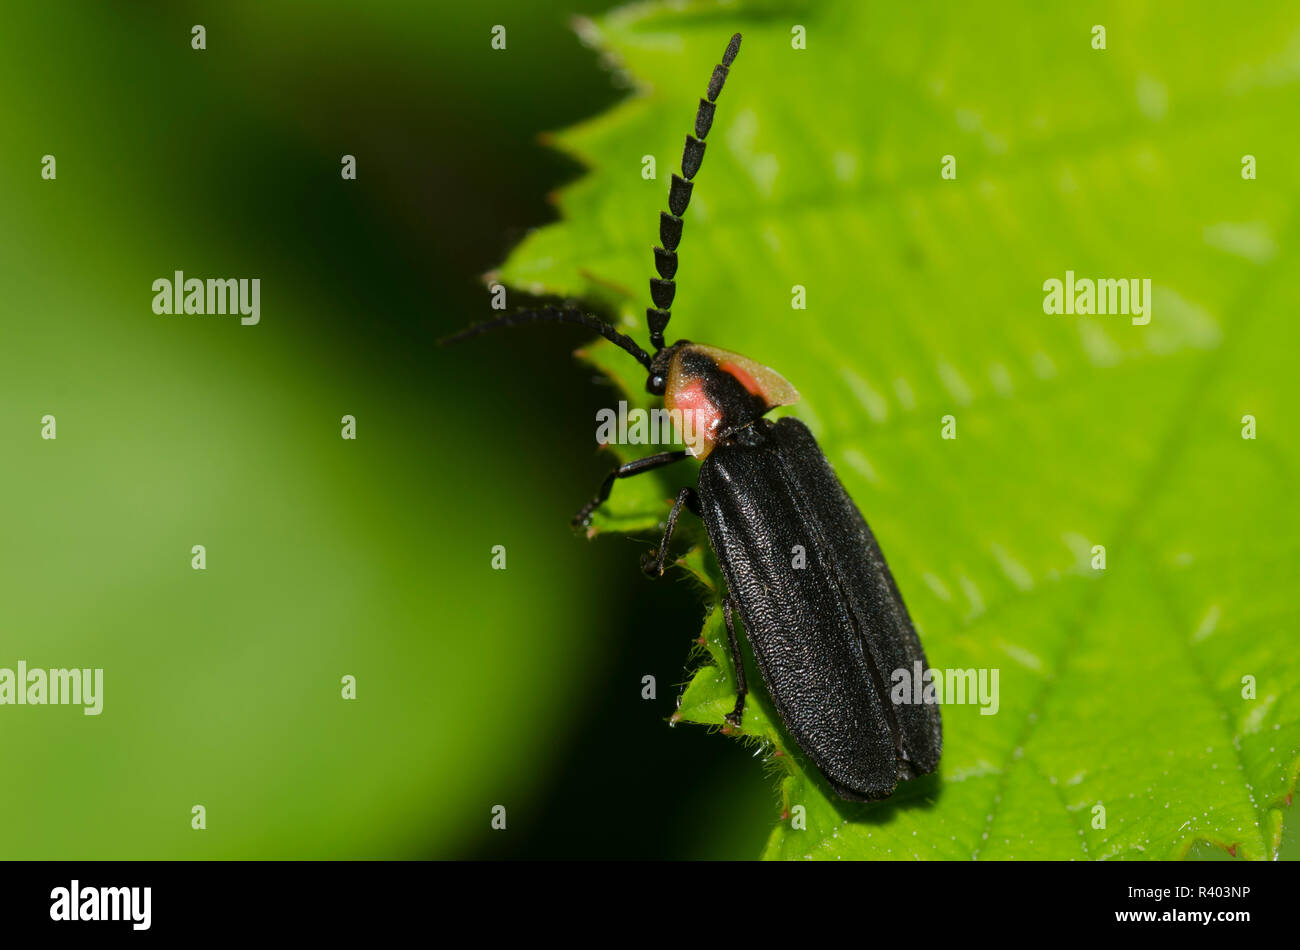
<point x="634" y="467"/>
<point x="737" y="715"/>
<point x="653" y="563"/>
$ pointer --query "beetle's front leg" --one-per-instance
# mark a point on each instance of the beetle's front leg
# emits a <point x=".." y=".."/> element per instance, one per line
<point x="626" y="470"/>
<point x="653" y="563"/>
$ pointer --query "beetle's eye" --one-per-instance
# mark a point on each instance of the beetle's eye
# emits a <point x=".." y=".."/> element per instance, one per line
<point x="655" y="385"/>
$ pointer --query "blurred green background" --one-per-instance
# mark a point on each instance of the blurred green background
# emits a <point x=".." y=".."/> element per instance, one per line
<point x="325" y="557"/>
<point x="328" y="557"/>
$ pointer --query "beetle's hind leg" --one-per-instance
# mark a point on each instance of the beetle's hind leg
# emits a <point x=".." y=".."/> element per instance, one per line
<point x="653" y="563"/>
<point x="626" y="470"/>
<point x="737" y="715"/>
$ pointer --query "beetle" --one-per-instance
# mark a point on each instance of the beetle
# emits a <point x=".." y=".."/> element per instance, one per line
<point x="828" y="635"/>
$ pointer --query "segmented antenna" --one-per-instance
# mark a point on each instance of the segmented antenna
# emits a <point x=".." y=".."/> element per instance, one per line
<point x="662" y="288"/>
<point x="555" y="315"/>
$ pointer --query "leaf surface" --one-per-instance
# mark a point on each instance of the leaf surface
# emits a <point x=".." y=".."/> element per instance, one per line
<point x="1143" y="707"/>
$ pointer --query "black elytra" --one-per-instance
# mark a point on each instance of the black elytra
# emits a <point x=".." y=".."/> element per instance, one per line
<point x="816" y="600"/>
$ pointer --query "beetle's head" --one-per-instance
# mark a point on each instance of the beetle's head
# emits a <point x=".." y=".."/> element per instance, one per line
<point x="715" y="391"/>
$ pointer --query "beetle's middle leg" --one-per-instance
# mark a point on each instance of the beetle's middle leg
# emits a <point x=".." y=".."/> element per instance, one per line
<point x="737" y="715"/>
<point x="653" y="563"/>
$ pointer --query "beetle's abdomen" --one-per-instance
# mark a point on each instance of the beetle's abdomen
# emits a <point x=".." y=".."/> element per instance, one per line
<point x="827" y="635"/>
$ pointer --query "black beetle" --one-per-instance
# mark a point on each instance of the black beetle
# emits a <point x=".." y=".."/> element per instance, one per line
<point x="827" y="635"/>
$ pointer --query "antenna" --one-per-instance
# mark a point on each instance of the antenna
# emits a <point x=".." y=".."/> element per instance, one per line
<point x="554" y="315"/>
<point x="662" y="288"/>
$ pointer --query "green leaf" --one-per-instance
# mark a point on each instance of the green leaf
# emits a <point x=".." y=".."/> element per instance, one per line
<point x="1119" y="689"/>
